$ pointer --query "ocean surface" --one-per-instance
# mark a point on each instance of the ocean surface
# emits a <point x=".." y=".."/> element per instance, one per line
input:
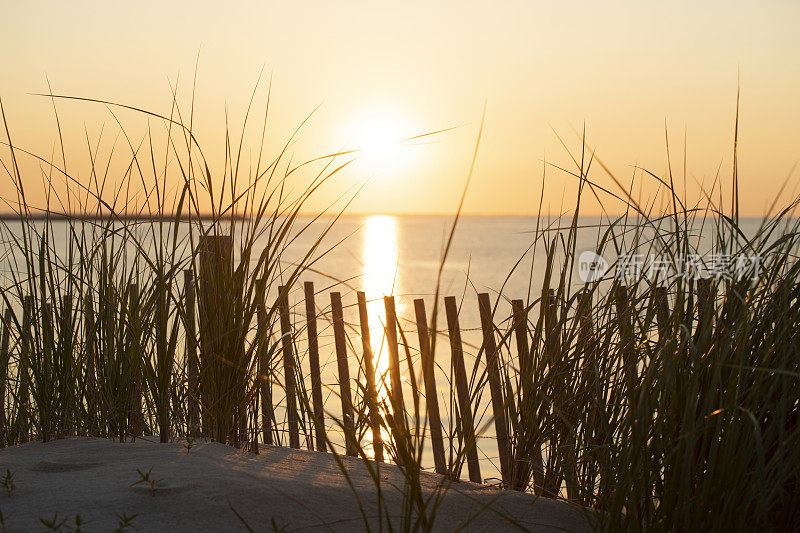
<point x="402" y="255"/>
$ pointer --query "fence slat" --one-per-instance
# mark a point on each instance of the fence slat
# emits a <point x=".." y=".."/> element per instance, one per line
<point x="431" y="397"/>
<point x="662" y="313"/>
<point x="191" y="352"/>
<point x="265" y="381"/>
<point x="495" y="388"/>
<point x="462" y="389"/>
<point x="622" y="305"/>
<point x="552" y="350"/>
<point x="90" y="375"/>
<point x="288" y="368"/>
<point x="163" y="361"/>
<point x="705" y="308"/>
<point x="313" y="358"/>
<point x="48" y="334"/>
<point x="4" y="359"/>
<point x="398" y="406"/>
<point x="690" y="308"/>
<point x="215" y="253"/>
<point x="340" y="339"/>
<point x="135" y="416"/>
<point x="521" y="335"/>
<point x="588" y="351"/>
<point x="372" y="393"/>
<point x="23" y="399"/>
<point x="67" y="327"/>
<point x="532" y="456"/>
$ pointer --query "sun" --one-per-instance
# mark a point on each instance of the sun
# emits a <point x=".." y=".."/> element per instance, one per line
<point x="379" y="135"/>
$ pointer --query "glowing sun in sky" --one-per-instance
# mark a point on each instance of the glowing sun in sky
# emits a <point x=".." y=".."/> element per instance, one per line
<point x="380" y="135"/>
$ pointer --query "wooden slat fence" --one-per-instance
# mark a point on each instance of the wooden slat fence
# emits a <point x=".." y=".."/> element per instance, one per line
<point x="519" y="454"/>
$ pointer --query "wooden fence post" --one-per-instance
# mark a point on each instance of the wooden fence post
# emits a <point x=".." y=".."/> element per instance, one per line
<point x="288" y="367"/>
<point x="548" y="309"/>
<point x="4" y="360"/>
<point x="135" y="417"/>
<point x="552" y="335"/>
<point x="344" y="374"/>
<point x="532" y="456"/>
<point x="191" y="352"/>
<point x="622" y="305"/>
<point x="214" y="282"/>
<point x="372" y="393"/>
<point x="588" y="352"/>
<point x="462" y="390"/>
<point x="521" y="335"/>
<point x="90" y="375"/>
<point x="688" y="318"/>
<point x="23" y="399"/>
<point x="630" y="372"/>
<point x="313" y="358"/>
<point x="265" y="381"/>
<point x="396" y="392"/>
<point x="163" y="361"/>
<point x="705" y="308"/>
<point x="48" y="335"/>
<point x="429" y="377"/>
<point x="662" y="313"/>
<point x="495" y="388"/>
<point x="67" y="332"/>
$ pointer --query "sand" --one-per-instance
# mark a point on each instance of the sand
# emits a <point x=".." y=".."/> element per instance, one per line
<point x="199" y="491"/>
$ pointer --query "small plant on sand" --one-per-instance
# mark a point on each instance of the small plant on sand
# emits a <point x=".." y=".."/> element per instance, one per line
<point x="53" y="524"/>
<point x="8" y="482"/>
<point x="78" y="523"/>
<point x="146" y="480"/>
<point x="2" y="522"/>
<point x="191" y="442"/>
<point x="125" y="522"/>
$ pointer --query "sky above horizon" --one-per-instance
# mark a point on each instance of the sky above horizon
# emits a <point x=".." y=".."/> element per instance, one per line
<point x="631" y="73"/>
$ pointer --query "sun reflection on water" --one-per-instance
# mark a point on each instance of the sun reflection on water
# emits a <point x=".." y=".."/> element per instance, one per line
<point x="379" y="256"/>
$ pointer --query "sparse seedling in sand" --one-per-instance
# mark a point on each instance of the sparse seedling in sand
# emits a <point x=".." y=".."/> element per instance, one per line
<point x="146" y="480"/>
<point x="125" y="522"/>
<point x="191" y="442"/>
<point x="8" y="482"/>
<point x="76" y="528"/>
<point x="53" y="524"/>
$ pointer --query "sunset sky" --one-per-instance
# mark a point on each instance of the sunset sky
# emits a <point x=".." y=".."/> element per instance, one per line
<point x="379" y="72"/>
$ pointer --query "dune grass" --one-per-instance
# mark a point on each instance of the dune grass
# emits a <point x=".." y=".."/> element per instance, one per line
<point x="664" y="403"/>
<point x="97" y="291"/>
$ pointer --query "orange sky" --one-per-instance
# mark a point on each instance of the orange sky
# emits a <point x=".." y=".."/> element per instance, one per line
<point x="622" y="68"/>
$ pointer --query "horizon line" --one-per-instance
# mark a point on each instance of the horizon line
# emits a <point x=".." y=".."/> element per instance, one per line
<point x="45" y="215"/>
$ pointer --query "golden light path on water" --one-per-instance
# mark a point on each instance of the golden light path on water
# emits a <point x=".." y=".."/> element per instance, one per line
<point x="380" y="255"/>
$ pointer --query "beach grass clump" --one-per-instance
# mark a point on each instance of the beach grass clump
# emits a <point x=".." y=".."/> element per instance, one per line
<point x="664" y="400"/>
<point x="130" y="304"/>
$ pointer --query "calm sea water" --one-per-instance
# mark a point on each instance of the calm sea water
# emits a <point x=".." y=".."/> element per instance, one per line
<point x="401" y="255"/>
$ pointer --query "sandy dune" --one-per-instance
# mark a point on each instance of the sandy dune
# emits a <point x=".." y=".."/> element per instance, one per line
<point x="197" y="491"/>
